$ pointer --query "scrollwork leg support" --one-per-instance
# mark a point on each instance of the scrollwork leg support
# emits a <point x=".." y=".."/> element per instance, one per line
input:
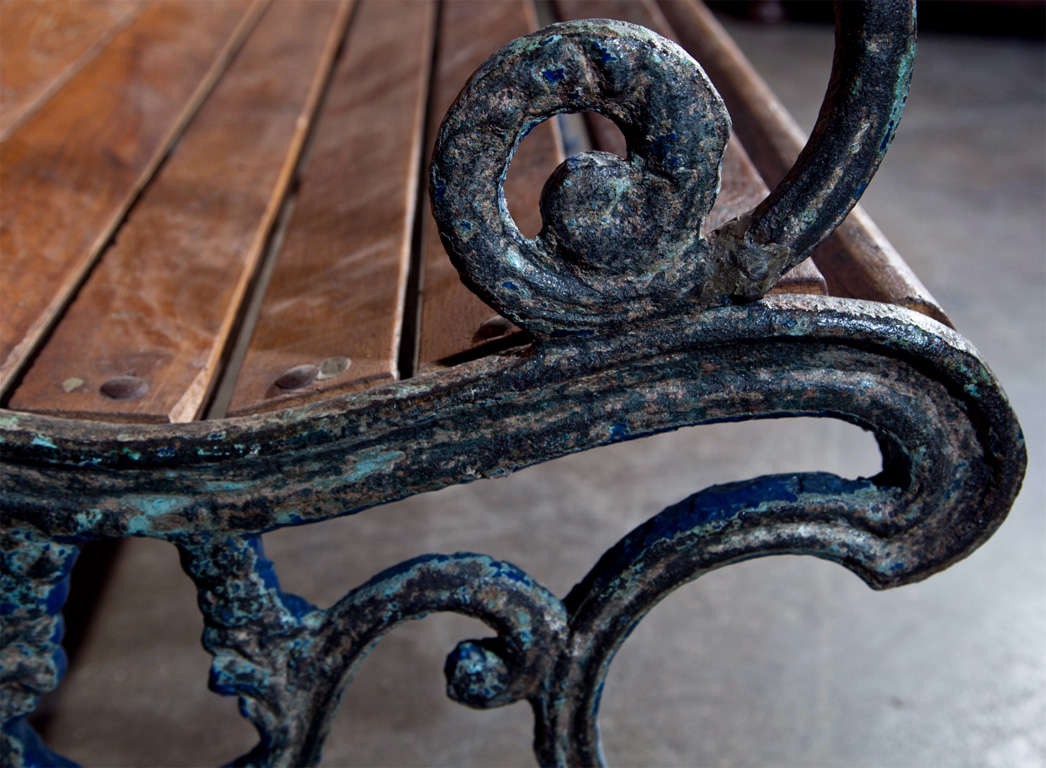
<point x="263" y="643"/>
<point x="785" y="514"/>
<point x="289" y="661"/>
<point x="34" y="582"/>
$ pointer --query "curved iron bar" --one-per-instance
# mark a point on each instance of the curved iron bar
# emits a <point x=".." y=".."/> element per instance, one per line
<point x="491" y="417"/>
<point x="784" y="514"/>
<point x="289" y="662"/>
<point x="621" y="239"/>
<point x="867" y="91"/>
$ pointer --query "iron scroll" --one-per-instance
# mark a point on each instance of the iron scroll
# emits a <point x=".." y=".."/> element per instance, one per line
<point x="621" y="238"/>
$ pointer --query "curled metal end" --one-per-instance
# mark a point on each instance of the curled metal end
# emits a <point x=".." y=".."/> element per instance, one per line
<point x="621" y="238"/>
<point x="478" y="676"/>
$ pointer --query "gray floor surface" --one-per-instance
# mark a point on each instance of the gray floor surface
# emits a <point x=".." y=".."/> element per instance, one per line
<point x="783" y="661"/>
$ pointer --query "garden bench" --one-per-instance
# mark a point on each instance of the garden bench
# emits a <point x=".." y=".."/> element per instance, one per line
<point x="227" y="309"/>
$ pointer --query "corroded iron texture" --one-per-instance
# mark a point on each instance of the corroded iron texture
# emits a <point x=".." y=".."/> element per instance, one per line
<point x="621" y="238"/>
<point x="638" y="330"/>
<point x="288" y="661"/>
<point x="779" y="356"/>
<point x="953" y="462"/>
<point x="34" y="582"/>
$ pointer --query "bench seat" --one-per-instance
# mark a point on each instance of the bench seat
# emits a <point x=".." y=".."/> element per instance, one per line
<point x="203" y="246"/>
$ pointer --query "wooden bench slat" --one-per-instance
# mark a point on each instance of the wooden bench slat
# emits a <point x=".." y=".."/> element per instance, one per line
<point x="453" y="321"/>
<point x="163" y="299"/>
<point x="70" y="171"/>
<point x="44" y="42"/>
<point x="742" y="186"/>
<point x="857" y="260"/>
<point x="337" y="289"/>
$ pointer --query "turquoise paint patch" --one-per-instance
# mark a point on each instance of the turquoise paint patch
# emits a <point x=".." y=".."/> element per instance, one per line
<point x="153" y="506"/>
<point x="225" y="485"/>
<point x="88" y="519"/>
<point x="44" y="441"/>
<point x="369" y="462"/>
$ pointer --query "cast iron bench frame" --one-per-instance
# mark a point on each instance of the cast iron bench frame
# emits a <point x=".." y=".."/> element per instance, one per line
<point x="668" y="333"/>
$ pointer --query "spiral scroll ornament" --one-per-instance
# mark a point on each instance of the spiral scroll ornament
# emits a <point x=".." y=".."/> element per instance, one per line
<point x="618" y="238"/>
<point x="621" y="238"/>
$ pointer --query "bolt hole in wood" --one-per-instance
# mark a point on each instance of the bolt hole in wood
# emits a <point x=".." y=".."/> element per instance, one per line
<point x="492" y="328"/>
<point x="122" y="387"/>
<point x="571" y="135"/>
<point x="302" y="375"/>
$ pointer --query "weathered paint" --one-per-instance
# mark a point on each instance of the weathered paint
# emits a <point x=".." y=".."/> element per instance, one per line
<point x="370" y="462"/>
<point x="630" y="341"/>
<point x="620" y="239"/>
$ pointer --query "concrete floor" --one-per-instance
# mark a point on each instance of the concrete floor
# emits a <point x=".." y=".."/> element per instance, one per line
<point x="783" y="661"/>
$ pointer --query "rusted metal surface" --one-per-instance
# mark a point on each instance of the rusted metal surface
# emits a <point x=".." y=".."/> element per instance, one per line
<point x="289" y="661"/>
<point x="639" y="352"/>
<point x="34" y="582"/>
<point x="621" y="238"/>
<point x="856" y="259"/>
<point x="953" y="460"/>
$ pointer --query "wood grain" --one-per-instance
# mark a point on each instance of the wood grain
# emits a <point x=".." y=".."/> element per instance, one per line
<point x="44" y="42"/>
<point x="454" y="322"/>
<point x="857" y="260"/>
<point x="742" y="186"/>
<point x="144" y="337"/>
<point x="336" y="295"/>
<point x="72" y="169"/>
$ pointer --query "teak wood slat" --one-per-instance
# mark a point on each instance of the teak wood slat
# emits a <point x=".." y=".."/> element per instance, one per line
<point x="742" y="186"/>
<point x="453" y="321"/>
<point x="857" y="260"/>
<point x="144" y="337"/>
<point x="44" y="42"/>
<point x="336" y="295"/>
<point x="72" y="168"/>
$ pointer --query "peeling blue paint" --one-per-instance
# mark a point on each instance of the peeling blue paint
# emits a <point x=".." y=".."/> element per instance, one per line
<point x="605" y="56"/>
<point x="663" y="146"/>
<point x="887" y="136"/>
<point x="554" y="75"/>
